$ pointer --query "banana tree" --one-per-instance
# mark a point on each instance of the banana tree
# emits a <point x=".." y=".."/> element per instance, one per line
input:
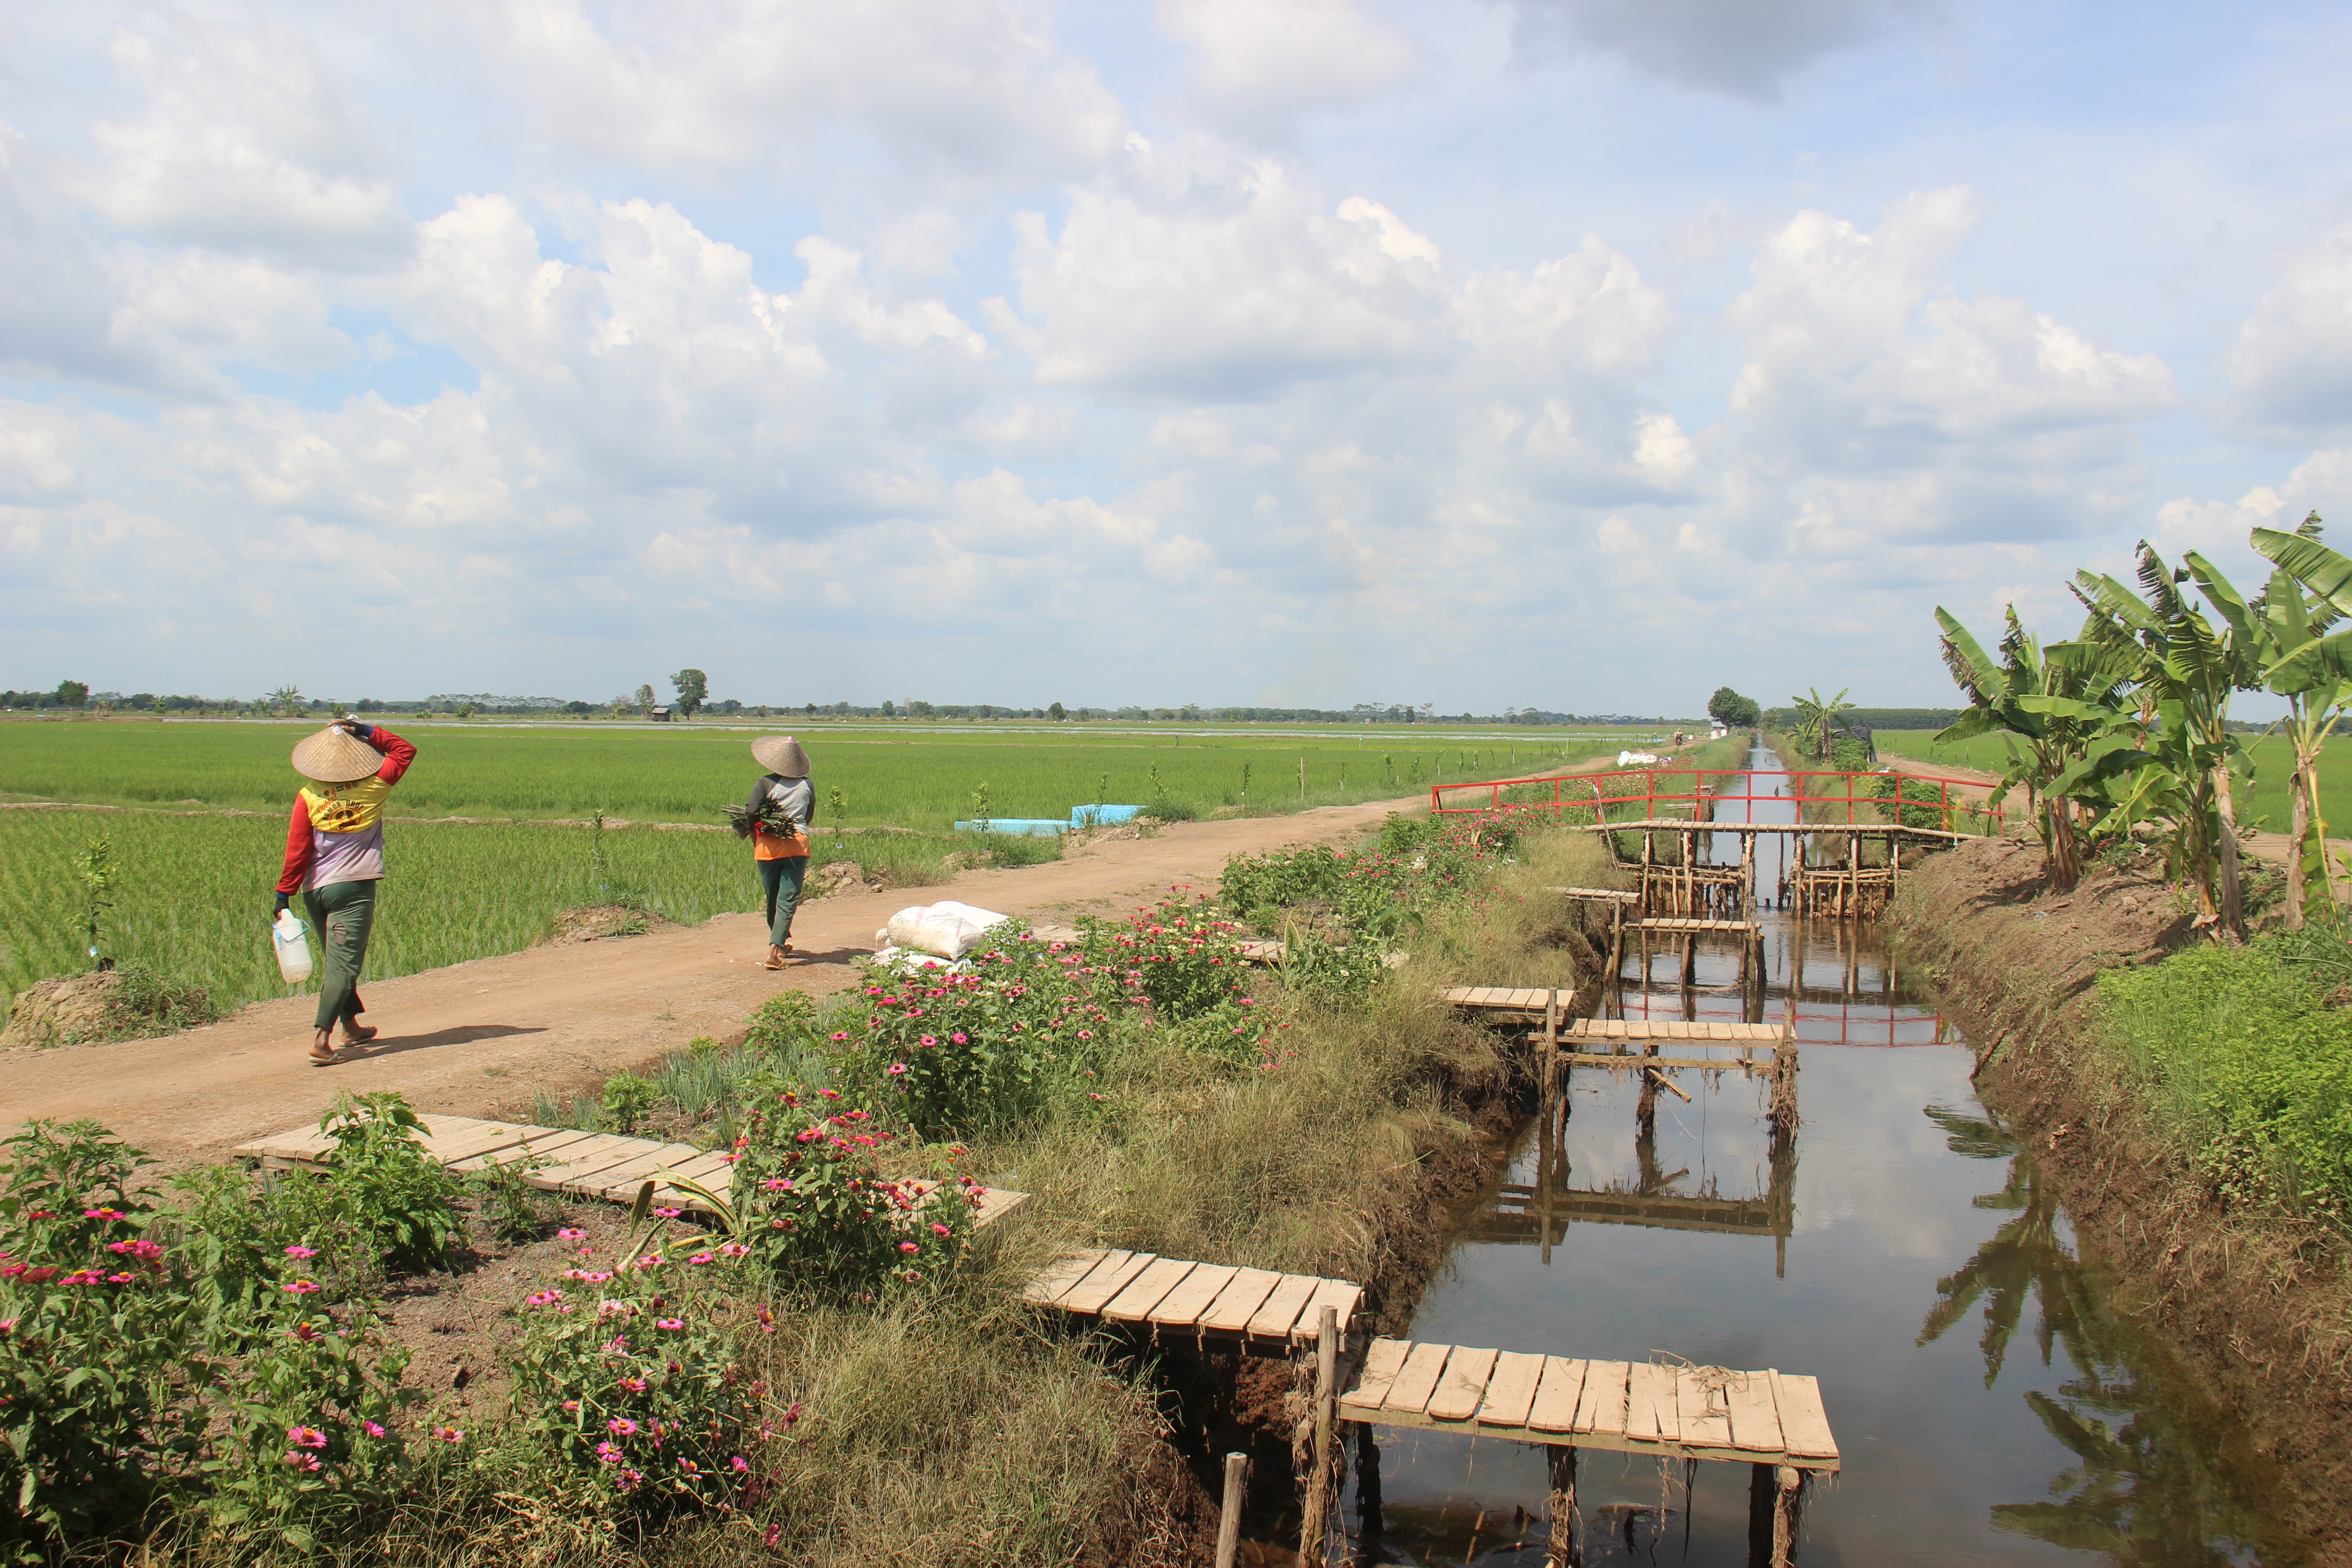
<point x="2313" y="670"/>
<point x="2186" y="672"/>
<point x="1816" y="717"/>
<point x="2064" y="714"/>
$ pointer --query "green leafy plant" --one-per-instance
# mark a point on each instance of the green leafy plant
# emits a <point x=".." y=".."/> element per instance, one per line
<point x="97" y="869"/>
<point x="626" y="1099"/>
<point x="397" y="1200"/>
<point x="512" y="1208"/>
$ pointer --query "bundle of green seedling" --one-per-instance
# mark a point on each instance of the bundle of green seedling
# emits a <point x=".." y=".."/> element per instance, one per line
<point x="768" y="817"/>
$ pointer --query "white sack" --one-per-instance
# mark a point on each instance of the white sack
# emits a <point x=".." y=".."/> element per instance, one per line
<point x="947" y="929"/>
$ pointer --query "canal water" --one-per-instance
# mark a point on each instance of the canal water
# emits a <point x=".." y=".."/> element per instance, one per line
<point x="1990" y="1406"/>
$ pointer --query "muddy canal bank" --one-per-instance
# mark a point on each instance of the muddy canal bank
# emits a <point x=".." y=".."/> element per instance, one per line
<point x="2258" y="1309"/>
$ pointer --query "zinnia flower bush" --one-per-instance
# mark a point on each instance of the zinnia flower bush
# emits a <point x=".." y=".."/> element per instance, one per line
<point x="627" y="1373"/>
<point x="812" y="1203"/>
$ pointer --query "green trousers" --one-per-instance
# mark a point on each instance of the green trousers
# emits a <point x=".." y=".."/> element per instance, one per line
<point x="781" y="880"/>
<point x="341" y="914"/>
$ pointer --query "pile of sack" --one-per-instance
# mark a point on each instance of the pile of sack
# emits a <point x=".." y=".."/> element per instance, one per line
<point x="933" y="936"/>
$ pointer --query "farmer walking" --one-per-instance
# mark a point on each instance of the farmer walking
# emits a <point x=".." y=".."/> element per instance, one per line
<point x="782" y="856"/>
<point x="334" y="858"/>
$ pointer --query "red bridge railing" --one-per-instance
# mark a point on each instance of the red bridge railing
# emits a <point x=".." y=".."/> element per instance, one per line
<point x="1957" y="805"/>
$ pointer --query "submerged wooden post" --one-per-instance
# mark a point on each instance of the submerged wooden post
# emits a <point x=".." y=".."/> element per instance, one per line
<point x="1315" y="1511"/>
<point x="1789" y="1485"/>
<point x="1690" y="959"/>
<point x="1562" y="1551"/>
<point x="1368" y="1480"/>
<point x="1229" y="1523"/>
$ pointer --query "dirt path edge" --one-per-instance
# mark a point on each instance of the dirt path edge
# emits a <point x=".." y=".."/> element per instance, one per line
<point x="2254" y="1305"/>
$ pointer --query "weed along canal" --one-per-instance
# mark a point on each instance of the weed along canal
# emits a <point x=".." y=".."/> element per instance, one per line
<point x="1899" y="1247"/>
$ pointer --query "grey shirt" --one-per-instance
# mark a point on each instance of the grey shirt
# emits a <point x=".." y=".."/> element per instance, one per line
<point x="798" y="799"/>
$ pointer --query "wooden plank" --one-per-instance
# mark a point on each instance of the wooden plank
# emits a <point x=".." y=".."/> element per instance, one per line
<point x="1804" y="1424"/>
<point x="1238" y="1302"/>
<point x="458" y="1143"/>
<point x="1046" y="1287"/>
<point x="1699" y="1428"/>
<point x="1718" y="1031"/>
<point x="621" y="1182"/>
<point x="1601" y="1406"/>
<point x="1511" y="1391"/>
<point x="1558" y="1394"/>
<point x="715" y="1171"/>
<point x="1409" y="1395"/>
<point x="1462" y="1388"/>
<point x="995" y="1202"/>
<point x="549" y="1144"/>
<point x="1282" y="1305"/>
<point x="1383" y="1359"/>
<point x="1755" y="1417"/>
<point x="583" y="1160"/>
<point x="1095" y="1290"/>
<point x="1134" y="1304"/>
<point x="1644" y="1393"/>
<point x="1180" y="1307"/>
<point x="1339" y="1294"/>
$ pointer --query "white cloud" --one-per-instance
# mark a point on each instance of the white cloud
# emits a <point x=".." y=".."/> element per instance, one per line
<point x="1733" y="46"/>
<point x="1259" y="65"/>
<point x="248" y="145"/>
<point x="1904" y="412"/>
<point x="2291" y="366"/>
<point x="971" y="89"/>
<point x="1200" y="273"/>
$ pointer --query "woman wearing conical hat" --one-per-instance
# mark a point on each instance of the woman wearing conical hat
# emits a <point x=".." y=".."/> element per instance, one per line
<point x="782" y="858"/>
<point x="334" y="858"/>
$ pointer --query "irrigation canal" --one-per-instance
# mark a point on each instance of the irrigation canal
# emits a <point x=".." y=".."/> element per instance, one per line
<point x="1991" y="1408"/>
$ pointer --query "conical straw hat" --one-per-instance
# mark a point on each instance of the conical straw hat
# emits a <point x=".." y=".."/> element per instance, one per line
<point x="780" y="755"/>
<point x="335" y="755"/>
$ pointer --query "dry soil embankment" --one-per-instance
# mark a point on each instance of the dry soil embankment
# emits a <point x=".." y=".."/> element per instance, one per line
<point x="2260" y="1307"/>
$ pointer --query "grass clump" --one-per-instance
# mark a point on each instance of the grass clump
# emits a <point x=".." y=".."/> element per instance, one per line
<point x="2238" y="1052"/>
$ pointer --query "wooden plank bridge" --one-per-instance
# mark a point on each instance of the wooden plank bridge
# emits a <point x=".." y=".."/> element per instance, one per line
<point x="1771" y="1420"/>
<point x="579" y="1164"/>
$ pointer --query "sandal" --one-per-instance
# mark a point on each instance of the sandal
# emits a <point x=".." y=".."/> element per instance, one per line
<point x="357" y="1033"/>
<point x="317" y="1060"/>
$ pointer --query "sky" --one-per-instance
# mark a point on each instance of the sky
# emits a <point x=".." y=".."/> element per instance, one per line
<point x="1576" y="354"/>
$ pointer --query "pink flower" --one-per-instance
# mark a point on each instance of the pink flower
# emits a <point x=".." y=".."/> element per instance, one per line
<point x="634" y="1385"/>
<point x="669" y="1322"/>
<point x="571" y="1235"/>
<point x="609" y="1452"/>
<point x="667" y="1214"/>
<point x="301" y="1252"/>
<point x="300" y="1287"/>
<point x="939" y="1230"/>
<point x="372" y="1428"/>
<point x="738" y="1464"/>
<point x="305" y="1436"/>
<point x="908" y="1246"/>
<point x="650" y="1261"/>
<point x="777" y="1184"/>
<point x="306" y="1333"/>
<point x="896" y="1068"/>
<point x="572" y="1406"/>
<point x="608" y="1308"/>
<point x="622" y="1424"/>
<point x="145" y="1251"/>
<point x="104" y="1214"/>
<point x="734" y="1249"/>
<point x="959" y="1037"/>
<point x="302" y="1461"/>
<point x="448" y="1433"/>
<point x="699" y="1258"/>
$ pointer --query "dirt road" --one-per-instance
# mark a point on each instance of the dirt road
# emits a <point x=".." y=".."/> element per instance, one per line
<point x="477" y="1039"/>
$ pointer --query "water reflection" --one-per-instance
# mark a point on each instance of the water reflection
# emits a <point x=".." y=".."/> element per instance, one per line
<point x="2144" y="1488"/>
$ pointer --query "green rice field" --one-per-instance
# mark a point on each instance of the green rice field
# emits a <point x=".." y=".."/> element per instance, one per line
<point x="921" y="779"/>
<point x="194" y="896"/>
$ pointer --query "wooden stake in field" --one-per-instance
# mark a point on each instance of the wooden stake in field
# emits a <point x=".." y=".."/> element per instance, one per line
<point x="1228" y="1524"/>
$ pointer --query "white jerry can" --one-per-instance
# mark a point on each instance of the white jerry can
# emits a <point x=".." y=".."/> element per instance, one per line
<point x="288" y="941"/>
